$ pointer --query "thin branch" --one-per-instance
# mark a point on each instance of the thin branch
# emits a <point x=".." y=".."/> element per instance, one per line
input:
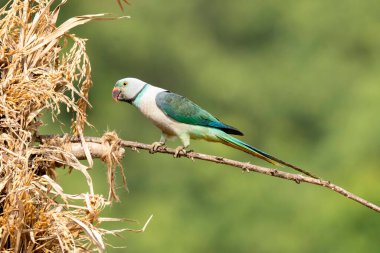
<point x="97" y="150"/>
<point x="93" y="143"/>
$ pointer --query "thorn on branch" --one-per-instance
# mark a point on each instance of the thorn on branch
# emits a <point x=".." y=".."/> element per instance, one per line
<point x="274" y="172"/>
<point x="219" y="158"/>
<point x="245" y="167"/>
<point x="297" y="180"/>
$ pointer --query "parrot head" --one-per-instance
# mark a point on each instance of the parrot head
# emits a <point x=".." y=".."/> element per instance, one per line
<point x="127" y="89"/>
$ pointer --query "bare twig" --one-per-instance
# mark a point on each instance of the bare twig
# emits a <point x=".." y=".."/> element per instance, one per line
<point x="94" y="142"/>
<point x="121" y="2"/>
<point x="97" y="150"/>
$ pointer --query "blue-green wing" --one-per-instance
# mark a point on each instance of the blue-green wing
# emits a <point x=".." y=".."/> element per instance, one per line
<point x="185" y="111"/>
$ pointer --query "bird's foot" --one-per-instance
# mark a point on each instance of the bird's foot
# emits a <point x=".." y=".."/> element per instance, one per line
<point x="180" y="150"/>
<point x="155" y="146"/>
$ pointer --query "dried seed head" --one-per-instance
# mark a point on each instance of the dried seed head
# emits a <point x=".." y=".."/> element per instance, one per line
<point x="40" y="71"/>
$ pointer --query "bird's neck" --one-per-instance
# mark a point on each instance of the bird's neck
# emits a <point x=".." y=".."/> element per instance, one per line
<point x="149" y="92"/>
<point x="137" y="97"/>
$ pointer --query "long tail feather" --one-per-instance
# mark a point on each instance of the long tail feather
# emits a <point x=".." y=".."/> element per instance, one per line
<point x="238" y="144"/>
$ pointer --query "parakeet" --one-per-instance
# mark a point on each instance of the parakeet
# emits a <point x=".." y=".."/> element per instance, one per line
<point x="178" y="116"/>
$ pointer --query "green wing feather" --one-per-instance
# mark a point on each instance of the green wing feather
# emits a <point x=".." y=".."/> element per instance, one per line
<point x="185" y="111"/>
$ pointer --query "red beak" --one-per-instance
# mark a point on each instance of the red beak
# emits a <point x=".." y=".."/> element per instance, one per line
<point x="115" y="93"/>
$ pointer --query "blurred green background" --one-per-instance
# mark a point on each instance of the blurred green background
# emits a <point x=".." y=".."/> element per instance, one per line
<point x="299" y="78"/>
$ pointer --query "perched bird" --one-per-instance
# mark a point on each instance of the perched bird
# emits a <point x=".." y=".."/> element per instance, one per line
<point x="177" y="116"/>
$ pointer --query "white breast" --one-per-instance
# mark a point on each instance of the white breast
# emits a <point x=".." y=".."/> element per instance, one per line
<point x="148" y="106"/>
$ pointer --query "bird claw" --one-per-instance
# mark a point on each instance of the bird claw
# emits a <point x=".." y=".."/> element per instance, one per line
<point x="179" y="151"/>
<point x="155" y="146"/>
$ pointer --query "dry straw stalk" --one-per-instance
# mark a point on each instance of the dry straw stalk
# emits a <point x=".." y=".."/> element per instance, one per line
<point x="40" y="71"/>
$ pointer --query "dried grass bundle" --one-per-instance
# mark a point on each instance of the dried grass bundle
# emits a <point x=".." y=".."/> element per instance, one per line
<point x="39" y="71"/>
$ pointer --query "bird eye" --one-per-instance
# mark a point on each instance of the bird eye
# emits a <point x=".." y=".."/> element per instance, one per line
<point x="125" y="83"/>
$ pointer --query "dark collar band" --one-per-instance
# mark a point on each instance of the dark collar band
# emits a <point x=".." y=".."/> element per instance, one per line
<point x="133" y="98"/>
